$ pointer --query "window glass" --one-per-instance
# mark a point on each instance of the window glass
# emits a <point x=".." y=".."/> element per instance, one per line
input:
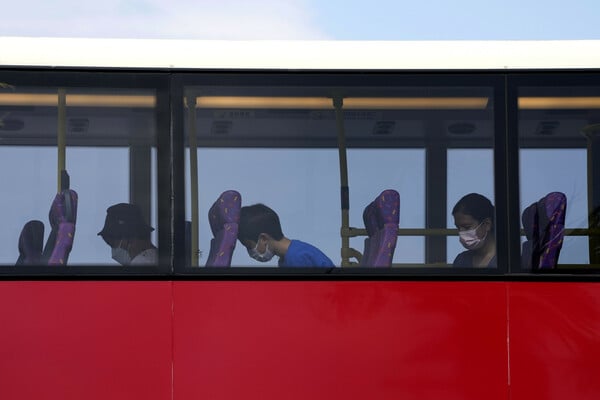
<point x="303" y="191"/>
<point x="403" y="170"/>
<point x="559" y="176"/>
<point x="108" y="136"/>
<point x="278" y="145"/>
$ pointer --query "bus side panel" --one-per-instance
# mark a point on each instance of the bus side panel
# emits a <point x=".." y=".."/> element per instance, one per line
<point x="85" y="340"/>
<point x="554" y="340"/>
<point x="351" y="340"/>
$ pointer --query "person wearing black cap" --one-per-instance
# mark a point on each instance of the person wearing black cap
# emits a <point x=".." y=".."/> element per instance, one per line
<point x="128" y="235"/>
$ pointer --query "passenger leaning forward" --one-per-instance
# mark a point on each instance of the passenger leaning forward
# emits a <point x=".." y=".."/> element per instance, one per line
<point x="260" y="232"/>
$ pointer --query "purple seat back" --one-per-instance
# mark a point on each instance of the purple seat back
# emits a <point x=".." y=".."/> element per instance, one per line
<point x="224" y="218"/>
<point x="530" y="250"/>
<point x="63" y="216"/>
<point x="31" y="243"/>
<point x="544" y="225"/>
<point x="551" y="213"/>
<point x="381" y="244"/>
<point x="371" y="242"/>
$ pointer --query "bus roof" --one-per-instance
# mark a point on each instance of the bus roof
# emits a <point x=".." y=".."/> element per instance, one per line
<point x="298" y="55"/>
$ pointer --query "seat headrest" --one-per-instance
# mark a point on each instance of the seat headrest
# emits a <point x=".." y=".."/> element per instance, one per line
<point x="554" y="202"/>
<point x="63" y="208"/>
<point x="383" y="210"/>
<point x="31" y="243"/>
<point x="388" y="204"/>
<point x="226" y="209"/>
<point x="529" y="219"/>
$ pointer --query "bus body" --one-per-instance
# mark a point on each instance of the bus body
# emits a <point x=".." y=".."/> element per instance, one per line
<point x="300" y="126"/>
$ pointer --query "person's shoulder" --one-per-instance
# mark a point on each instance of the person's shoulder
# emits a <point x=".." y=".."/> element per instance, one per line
<point x="306" y="255"/>
<point x="146" y="257"/>
<point x="463" y="260"/>
<point x="303" y="247"/>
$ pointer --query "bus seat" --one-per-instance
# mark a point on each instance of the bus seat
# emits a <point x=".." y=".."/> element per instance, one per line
<point x="381" y="217"/>
<point x="530" y="250"/>
<point x="370" y="220"/>
<point x="224" y="218"/>
<point x="62" y="216"/>
<point x="551" y="214"/>
<point x="31" y="243"/>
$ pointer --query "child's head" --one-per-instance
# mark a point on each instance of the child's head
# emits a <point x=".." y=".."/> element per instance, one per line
<point x="257" y="219"/>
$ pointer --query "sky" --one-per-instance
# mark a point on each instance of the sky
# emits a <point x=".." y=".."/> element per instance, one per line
<point x="304" y="19"/>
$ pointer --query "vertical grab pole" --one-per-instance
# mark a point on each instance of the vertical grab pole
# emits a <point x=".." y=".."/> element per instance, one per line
<point x="191" y="103"/>
<point x="338" y="104"/>
<point x="62" y="135"/>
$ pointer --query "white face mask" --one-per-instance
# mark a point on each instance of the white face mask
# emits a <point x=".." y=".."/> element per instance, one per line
<point x="470" y="240"/>
<point x="120" y="255"/>
<point x="262" y="257"/>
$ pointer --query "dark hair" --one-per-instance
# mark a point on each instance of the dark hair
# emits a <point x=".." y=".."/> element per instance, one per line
<point x="475" y="205"/>
<point x="257" y="219"/>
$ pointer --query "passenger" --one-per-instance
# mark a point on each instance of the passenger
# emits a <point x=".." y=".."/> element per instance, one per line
<point x="128" y="235"/>
<point x="260" y="232"/>
<point x="474" y="218"/>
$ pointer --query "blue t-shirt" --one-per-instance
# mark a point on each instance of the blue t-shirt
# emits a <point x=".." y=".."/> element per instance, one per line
<point x="300" y="254"/>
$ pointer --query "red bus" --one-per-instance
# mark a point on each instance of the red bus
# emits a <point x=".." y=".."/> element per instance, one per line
<point x="324" y="133"/>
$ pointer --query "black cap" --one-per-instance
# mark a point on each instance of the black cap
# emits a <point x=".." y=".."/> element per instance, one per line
<point x="125" y="220"/>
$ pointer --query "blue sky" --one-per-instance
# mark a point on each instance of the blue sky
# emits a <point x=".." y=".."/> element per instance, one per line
<point x="305" y="19"/>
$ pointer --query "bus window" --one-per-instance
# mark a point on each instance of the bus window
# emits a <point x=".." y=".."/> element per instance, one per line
<point x="433" y="145"/>
<point x="559" y="154"/>
<point x="283" y="145"/>
<point x="104" y="139"/>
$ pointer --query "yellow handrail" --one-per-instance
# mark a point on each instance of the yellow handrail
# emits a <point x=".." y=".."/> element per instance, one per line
<point x="344" y="190"/>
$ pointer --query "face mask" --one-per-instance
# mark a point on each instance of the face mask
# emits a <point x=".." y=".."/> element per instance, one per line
<point x="120" y="255"/>
<point x="262" y="257"/>
<point x="470" y="240"/>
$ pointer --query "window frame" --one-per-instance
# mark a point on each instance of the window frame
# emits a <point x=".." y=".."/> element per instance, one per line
<point x="490" y="79"/>
<point x="92" y="78"/>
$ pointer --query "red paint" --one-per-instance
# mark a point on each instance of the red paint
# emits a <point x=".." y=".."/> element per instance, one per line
<point x="352" y="340"/>
<point x="85" y="340"/>
<point x="298" y="340"/>
<point x="555" y="341"/>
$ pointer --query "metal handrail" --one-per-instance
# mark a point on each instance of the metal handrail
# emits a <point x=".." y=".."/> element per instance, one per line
<point x="356" y="232"/>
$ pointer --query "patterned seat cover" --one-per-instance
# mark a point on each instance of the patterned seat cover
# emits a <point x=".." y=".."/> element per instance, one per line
<point x="544" y="225"/>
<point x="224" y="218"/>
<point x="381" y="219"/>
<point x="63" y="216"/>
<point x="551" y="212"/>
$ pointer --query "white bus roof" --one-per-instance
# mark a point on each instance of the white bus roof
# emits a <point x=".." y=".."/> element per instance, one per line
<point x="299" y="55"/>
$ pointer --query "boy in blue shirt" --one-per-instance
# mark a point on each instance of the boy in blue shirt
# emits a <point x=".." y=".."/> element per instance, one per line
<point x="260" y="232"/>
